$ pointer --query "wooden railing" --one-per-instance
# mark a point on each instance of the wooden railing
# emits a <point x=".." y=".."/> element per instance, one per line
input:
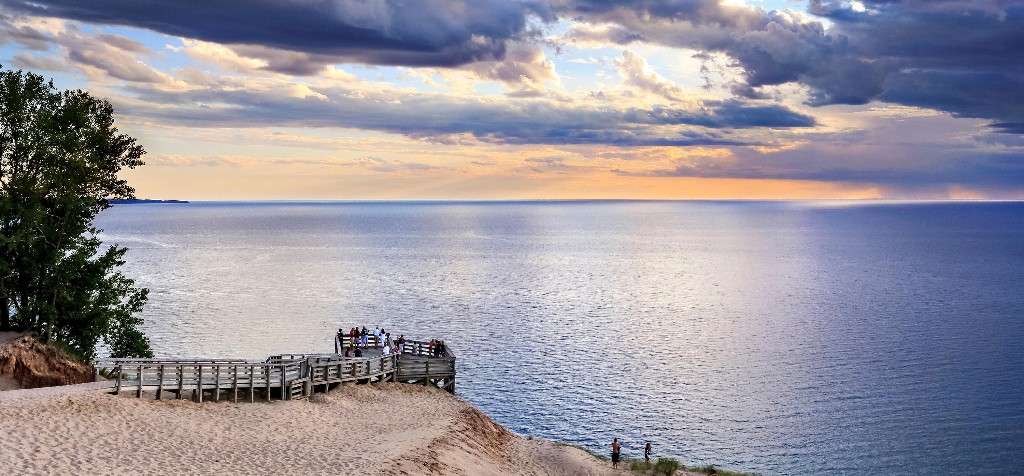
<point x="425" y="370"/>
<point x="288" y="375"/>
<point x="201" y="375"/>
<point x="326" y="371"/>
<point x="413" y="347"/>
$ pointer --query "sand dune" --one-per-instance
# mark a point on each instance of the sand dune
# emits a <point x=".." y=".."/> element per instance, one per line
<point x="367" y="429"/>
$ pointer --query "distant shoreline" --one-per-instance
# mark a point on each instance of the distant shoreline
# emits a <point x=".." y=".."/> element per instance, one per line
<point x="133" y="201"/>
<point x="824" y="201"/>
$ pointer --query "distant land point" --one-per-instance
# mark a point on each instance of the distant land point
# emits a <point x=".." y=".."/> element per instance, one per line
<point x="130" y="201"/>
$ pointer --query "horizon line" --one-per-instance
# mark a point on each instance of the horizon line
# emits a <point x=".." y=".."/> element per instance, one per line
<point x="171" y="201"/>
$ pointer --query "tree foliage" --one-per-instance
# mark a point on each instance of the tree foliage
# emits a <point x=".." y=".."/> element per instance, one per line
<point x="59" y="159"/>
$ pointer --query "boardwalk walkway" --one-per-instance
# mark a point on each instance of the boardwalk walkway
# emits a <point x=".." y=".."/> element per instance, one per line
<point x="284" y="377"/>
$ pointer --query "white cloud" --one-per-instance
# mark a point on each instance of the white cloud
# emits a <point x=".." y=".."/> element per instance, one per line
<point x="637" y="73"/>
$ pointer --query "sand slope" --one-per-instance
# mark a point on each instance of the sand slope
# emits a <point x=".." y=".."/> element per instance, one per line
<point x="27" y="363"/>
<point x="8" y="382"/>
<point x="367" y="429"/>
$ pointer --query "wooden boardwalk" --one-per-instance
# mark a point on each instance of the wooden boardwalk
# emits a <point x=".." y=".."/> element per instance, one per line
<point x="284" y="377"/>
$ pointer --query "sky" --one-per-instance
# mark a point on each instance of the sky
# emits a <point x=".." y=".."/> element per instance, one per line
<point x="547" y="99"/>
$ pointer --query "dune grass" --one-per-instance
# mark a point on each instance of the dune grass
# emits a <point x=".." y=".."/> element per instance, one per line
<point x="666" y="466"/>
<point x="669" y="466"/>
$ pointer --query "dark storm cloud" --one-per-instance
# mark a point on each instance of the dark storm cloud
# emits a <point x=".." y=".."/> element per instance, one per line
<point x="423" y="33"/>
<point x="963" y="57"/>
<point x="1008" y="127"/>
<point x="773" y="47"/>
<point x="959" y="56"/>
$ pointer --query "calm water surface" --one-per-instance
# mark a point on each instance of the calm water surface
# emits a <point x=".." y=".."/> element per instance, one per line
<point x="777" y="337"/>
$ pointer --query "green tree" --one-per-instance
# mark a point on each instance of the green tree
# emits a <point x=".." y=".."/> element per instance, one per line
<point x="59" y="159"/>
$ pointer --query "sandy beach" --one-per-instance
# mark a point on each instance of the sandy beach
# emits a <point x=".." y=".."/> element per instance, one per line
<point x="386" y="428"/>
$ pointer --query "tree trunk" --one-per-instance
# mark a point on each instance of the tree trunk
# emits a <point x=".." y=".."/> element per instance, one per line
<point x="5" y="314"/>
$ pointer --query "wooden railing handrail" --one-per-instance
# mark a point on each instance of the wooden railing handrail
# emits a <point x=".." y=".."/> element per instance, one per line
<point x="169" y="365"/>
<point x="293" y="374"/>
<point x="105" y="360"/>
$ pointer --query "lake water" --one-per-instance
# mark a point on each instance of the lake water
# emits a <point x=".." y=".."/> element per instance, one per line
<point x="777" y="337"/>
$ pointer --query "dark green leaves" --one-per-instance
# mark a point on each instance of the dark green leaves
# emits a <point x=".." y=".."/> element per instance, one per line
<point x="59" y="159"/>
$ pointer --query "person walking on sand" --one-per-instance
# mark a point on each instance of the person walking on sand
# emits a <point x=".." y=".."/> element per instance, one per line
<point x="647" y="453"/>
<point x="615" y="452"/>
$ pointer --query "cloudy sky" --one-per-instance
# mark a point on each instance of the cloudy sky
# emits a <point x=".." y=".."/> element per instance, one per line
<point x="547" y="99"/>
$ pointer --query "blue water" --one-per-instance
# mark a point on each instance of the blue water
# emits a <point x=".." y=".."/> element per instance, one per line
<point x="776" y="337"/>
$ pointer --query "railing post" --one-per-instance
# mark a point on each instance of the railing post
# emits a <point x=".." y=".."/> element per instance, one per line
<point x="308" y="372"/>
<point x="266" y="372"/>
<point x="394" y="368"/>
<point x="181" y="381"/>
<point x="160" y="387"/>
<point x="283" y="376"/>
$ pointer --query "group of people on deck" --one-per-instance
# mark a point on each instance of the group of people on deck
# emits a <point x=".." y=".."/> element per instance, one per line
<point x="359" y="339"/>
<point x="436" y="348"/>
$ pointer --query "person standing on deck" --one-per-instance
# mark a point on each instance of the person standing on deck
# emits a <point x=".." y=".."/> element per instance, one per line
<point x="616" y="447"/>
